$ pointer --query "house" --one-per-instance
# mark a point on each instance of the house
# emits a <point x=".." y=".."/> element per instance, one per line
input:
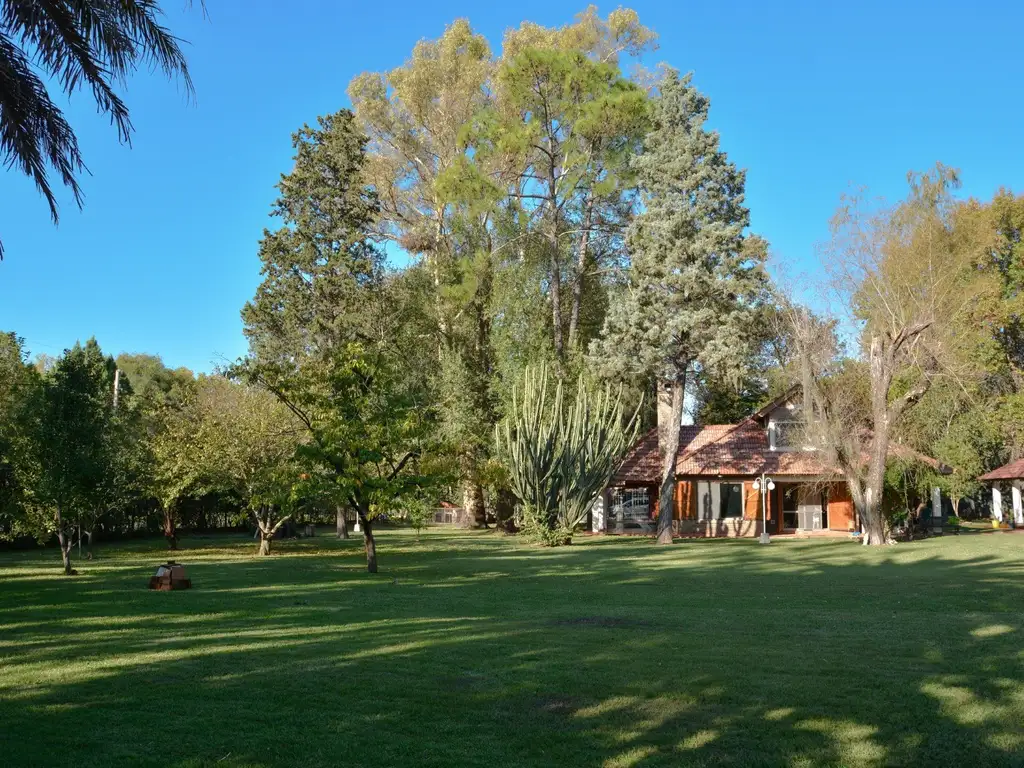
<point x="719" y="492"/>
<point x="1011" y="474"/>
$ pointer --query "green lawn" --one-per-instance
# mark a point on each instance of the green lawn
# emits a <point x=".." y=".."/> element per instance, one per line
<point x="477" y="649"/>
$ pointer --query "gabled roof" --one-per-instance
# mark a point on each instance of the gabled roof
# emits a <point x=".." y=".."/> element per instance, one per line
<point x="1012" y="471"/>
<point x="717" y="449"/>
<point x="785" y="397"/>
<point x="737" y="450"/>
<point x="640" y="464"/>
<point x="743" y="449"/>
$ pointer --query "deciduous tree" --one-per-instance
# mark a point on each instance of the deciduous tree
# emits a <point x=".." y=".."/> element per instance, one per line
<point x="330" y="334"/>
<point x="72" y="442"/>
<point x="900" y="271"/>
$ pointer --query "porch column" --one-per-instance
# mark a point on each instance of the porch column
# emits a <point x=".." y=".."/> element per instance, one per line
<point x="597" y="513"/>
<point x="936" y="509"/>
<point x="1018" y="509"/>
<point x="997" y="503"/>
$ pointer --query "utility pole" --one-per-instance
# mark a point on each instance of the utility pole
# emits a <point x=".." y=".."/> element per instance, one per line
<point x="117" y="385"/>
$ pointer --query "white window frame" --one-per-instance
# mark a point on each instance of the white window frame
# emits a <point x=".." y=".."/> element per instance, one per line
<point x="773" y="436"/>
<point x="618" y="507"/>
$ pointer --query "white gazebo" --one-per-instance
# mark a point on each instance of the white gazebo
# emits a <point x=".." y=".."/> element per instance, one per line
<point x="1011" y="474"/>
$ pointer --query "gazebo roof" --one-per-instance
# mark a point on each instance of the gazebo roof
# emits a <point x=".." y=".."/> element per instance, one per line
<point x="1012" y="471"/>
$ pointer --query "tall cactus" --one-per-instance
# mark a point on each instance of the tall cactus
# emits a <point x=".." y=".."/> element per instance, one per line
<point x="559" y="457"/>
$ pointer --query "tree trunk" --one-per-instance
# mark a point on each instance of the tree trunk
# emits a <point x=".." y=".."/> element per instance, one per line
<point x="265" y="540"/>
<point x="555" y="288"/>
<point x="556" y="301"/>
<point x="65" y="552"/>
<point x="670" y="417"/>
<point x="505" y="510"/>
<point x="170" y="532"/>
<point x="442" y="320"/>
<point x="473" y="501"/>
<point x="878" y="451"/>
<point x="872" y="522"/>
<point x="581" y="268"/>
<point x="65" y="545"/>
<point x="872" y="533"/>
<point x="369" y="543"/>
<point x="342" y="523"/>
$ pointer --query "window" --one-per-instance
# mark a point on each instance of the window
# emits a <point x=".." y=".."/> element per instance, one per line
<point x="730" y="500"/>
<point x="630" y="507"/>
<point x="787" y="434"/>
<point x="790" y="507"/>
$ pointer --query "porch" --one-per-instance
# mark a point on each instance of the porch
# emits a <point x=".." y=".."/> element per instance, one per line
<point x="730" y="507"/>
<point x="1009" y="477"/>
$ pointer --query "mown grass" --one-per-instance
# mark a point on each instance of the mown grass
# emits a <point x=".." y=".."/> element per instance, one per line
<point x="477" y="649"/>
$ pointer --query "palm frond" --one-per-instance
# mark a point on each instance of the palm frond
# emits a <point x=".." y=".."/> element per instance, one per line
<point x="33" y="132"/>
<point x="79" y="44"/>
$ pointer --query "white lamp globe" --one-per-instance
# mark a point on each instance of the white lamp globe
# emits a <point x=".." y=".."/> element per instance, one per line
<point x="771" y="485"/>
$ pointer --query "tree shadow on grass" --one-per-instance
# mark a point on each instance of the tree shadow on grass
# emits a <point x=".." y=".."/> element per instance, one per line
<point x="477" y="650"/>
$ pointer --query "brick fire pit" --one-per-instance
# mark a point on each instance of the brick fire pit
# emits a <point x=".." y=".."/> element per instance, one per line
<point x="170" y="575"/>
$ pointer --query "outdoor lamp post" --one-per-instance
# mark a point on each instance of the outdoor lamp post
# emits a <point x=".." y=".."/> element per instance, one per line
<point x="764" y="484"/>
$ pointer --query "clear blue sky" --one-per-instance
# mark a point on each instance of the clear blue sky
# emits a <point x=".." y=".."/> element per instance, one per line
<point x="808" y="97"/>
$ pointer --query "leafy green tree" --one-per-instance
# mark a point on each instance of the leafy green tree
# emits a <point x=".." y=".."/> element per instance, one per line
<point x="72" y="442"/>
<point x="230" y="438"/>
<point x="695" y="275"/>
<point x="569" y="122"/>
<point x="971" y="446"/>
<point x="333" y="336"/>
<point x="177" y="474"/>
<point x="91" y="43"/>
<point x="125" y="478"/>
<point x="19" y="390"/>
<point x="765" y="373"/>
<point x="437" y="198"/>
<point x="153" y="384"/>
<point x="154" y="466"/>
<point x="362" y="423"/>
<point x="319" y="267"/>
<point x="453" y="156"/>
<point x="991" y="327"/>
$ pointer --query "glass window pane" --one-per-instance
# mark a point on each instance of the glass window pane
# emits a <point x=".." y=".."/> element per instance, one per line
<point x="731" y="500"/>
<point x="630" y="507"/>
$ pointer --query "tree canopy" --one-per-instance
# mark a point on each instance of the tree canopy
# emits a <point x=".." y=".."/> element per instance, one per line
<point x="478" y="213"/>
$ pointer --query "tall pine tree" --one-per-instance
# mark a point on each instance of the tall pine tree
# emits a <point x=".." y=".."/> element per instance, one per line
<point x="695" y="274"/>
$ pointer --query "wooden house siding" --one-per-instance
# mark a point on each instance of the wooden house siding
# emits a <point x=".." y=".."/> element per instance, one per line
<point x="751" y="502"/>
<point x="840" y="508"/>
<point x="686" y="501"/>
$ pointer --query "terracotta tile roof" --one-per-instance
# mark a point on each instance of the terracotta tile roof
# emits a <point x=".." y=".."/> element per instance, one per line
<point x="716" y="449"/>
<point x="640" y="464"/>
<point x="1012" y="471"/>
<point x="742" y="449"/>
<point x="738" y="450"/>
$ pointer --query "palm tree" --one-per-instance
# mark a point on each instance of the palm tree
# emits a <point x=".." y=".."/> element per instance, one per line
<point x="77" y="44"/>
